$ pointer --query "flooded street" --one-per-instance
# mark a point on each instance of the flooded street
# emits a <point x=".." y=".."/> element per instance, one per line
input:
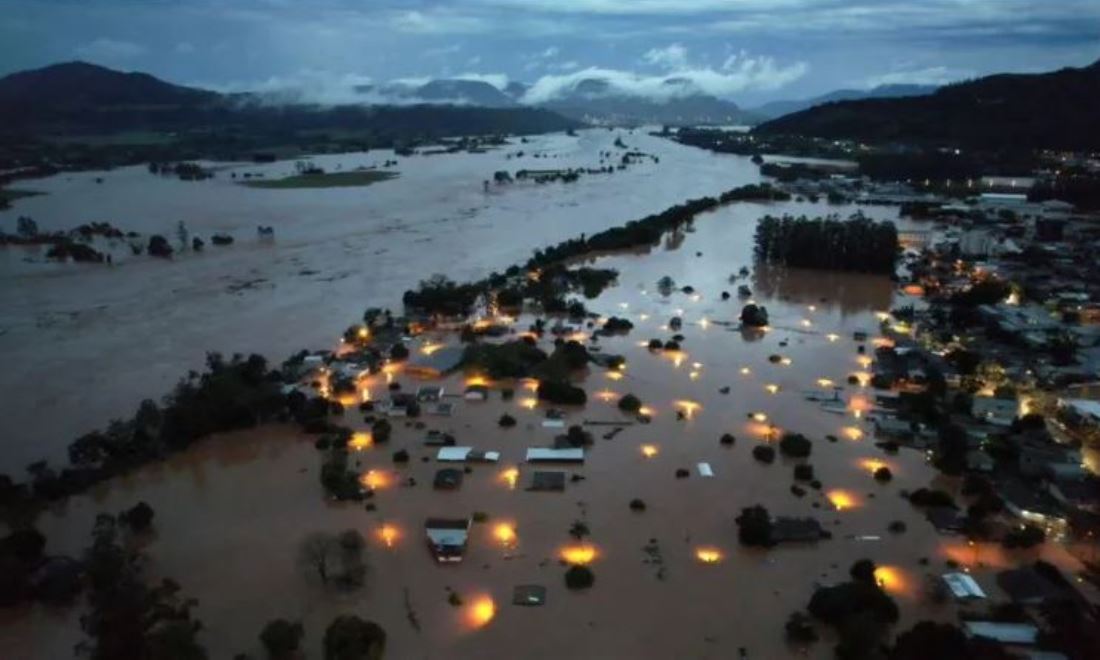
<point x="140" y="325"/>
<point x="232" y="511"/>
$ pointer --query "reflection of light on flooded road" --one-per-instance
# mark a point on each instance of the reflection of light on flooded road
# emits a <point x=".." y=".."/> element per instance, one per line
<point x="505" y="533"/>
<point x="481" y="611"/>
<point x="688" y="407"/>
<point x="361" y="440"/>
<point x="388" y="533"/>
<point x="649" y="451"/>
<point x="375" y="479"/>
<point x="578" y="554"/>
<point x="772" y="388"/>
<point x="510" y="476"/>
<point x="891" y="579"/>
<point x="841" y="499"/>
<point x="708" y="555"/>
<point x="852" y="432"/>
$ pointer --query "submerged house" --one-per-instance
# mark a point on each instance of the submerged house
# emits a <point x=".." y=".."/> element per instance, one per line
<point x="554" y="455"/>
<point x="447" y="538"/>
<point x="797" y="530"/>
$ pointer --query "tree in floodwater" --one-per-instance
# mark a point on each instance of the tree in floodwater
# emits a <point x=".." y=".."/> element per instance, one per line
<point x="857" y="244"/>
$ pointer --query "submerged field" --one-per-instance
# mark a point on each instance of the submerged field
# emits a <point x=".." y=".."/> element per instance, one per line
<point x="324" y="180"/>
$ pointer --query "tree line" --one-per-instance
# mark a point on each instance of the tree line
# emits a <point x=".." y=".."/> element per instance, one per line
<point x="858" y="244"/>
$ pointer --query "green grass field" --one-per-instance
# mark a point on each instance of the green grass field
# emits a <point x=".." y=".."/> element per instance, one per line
<point x="327" y="180"/>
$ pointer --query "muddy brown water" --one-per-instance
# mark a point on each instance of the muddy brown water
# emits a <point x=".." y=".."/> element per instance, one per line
<point x="232" y="511"/>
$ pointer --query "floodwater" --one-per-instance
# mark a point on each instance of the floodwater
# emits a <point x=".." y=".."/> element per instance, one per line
<point x="231" y="512"/>
<point x="138" y="326"/>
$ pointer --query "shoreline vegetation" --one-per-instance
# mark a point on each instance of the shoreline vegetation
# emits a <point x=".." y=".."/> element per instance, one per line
<point x="9" y="195"/>
<point x="357" y="178"/>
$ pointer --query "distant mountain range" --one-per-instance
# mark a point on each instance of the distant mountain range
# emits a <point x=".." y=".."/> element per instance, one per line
<point x="776" y="109"/>
<point x="679" y="102"/>
<point x="442" y="91"/>
<point x="1057" y="110"/>
<point x="77" y="97"/>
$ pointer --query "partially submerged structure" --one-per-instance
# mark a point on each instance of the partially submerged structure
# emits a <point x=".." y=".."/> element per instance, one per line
<point x="456" y="454"/>
<point x="963" y="587"/>
<point x="553" y="455"/>
<point x="447" y="538"/>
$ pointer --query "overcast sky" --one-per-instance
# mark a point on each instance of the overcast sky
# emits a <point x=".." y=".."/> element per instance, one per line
<point x="746" y="50"/>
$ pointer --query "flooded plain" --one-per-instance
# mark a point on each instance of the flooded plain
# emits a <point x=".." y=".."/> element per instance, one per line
<point x="138" y="326"/>
<point x="231" y="512"/>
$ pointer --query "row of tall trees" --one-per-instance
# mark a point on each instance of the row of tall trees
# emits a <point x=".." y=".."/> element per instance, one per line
<point x="857" y="244"/>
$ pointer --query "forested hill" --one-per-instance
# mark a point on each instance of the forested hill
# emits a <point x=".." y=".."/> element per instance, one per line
<point x="1057" y="110"/>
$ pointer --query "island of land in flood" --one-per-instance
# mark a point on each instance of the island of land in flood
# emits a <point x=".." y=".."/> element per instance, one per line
<point x="324" y="180"/>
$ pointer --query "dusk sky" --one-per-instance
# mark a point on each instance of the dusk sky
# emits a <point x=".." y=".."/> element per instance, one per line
<point x="745" y="50"/>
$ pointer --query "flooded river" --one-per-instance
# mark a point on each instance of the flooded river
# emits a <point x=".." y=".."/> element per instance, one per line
<point x="140" y="325"/>
<point x="231" y="512"/>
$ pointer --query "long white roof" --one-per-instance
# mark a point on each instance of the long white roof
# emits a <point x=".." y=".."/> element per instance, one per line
<point x="570" y="454"/>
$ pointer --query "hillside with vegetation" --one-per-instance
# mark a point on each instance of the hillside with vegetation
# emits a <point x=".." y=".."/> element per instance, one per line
<point x="88" y="115"/>
<point x="1055" y="110"/>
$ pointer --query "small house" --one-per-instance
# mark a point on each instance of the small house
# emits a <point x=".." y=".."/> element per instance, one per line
<point x="447" y="538"/>
<point x="476" y="393"/>
<point x="456" y="454"/>
<point x="429" y="393"/>
<point x="447" y="479"/>
<point x="553" y="455"/>
<point x="963" y="587"/>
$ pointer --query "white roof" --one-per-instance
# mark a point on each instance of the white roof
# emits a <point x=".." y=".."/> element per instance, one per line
<point x="1084" y="406"/>
<point x="1005" y="633"/>
<point x="447" y="537"/>
<point x="963" y="586"/>
<point x="458" y="454"/>
<point x="553" y="423"/>
<point x="704" y="470"/>
<point x="570" y="455"/>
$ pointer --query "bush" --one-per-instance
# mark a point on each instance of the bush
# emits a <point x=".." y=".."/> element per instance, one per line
<point x="800" y="629"/>
<point x="795" y="445"/>
<point x="834" y="605"/>
<point x="617" y="325"/>
<point x="754" y="526"/>
<point x="281" y="638"/>
<point x="925" y="497"/>
<point x="682" y="473"/>
<point x="727" y="440"/>
<point x="399" y="352"/>
<point x="754" y="316"/>
<point x="401" y="456"/>
<point x="883" y="475"/>
<point x="579" y="577"/>
<point x="139" y="518"/>
<point x="897" y="527"/>
<point x="1026" y="537"/>
<point x="655" y="344"/>
<point x="863" y="570"/>
<point x="630" y="403"/>
<point x="637" y="505"/>
<point x="578" y="437"/>
<point x="764" y="453"/>
<point x="159" y="247"/>
<point x="506" y="421"/>
<point x="804" y="472"/>
<point x="350" y="638"/>
<point x="381" y="431"/>
<point x="561" y="393"/>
